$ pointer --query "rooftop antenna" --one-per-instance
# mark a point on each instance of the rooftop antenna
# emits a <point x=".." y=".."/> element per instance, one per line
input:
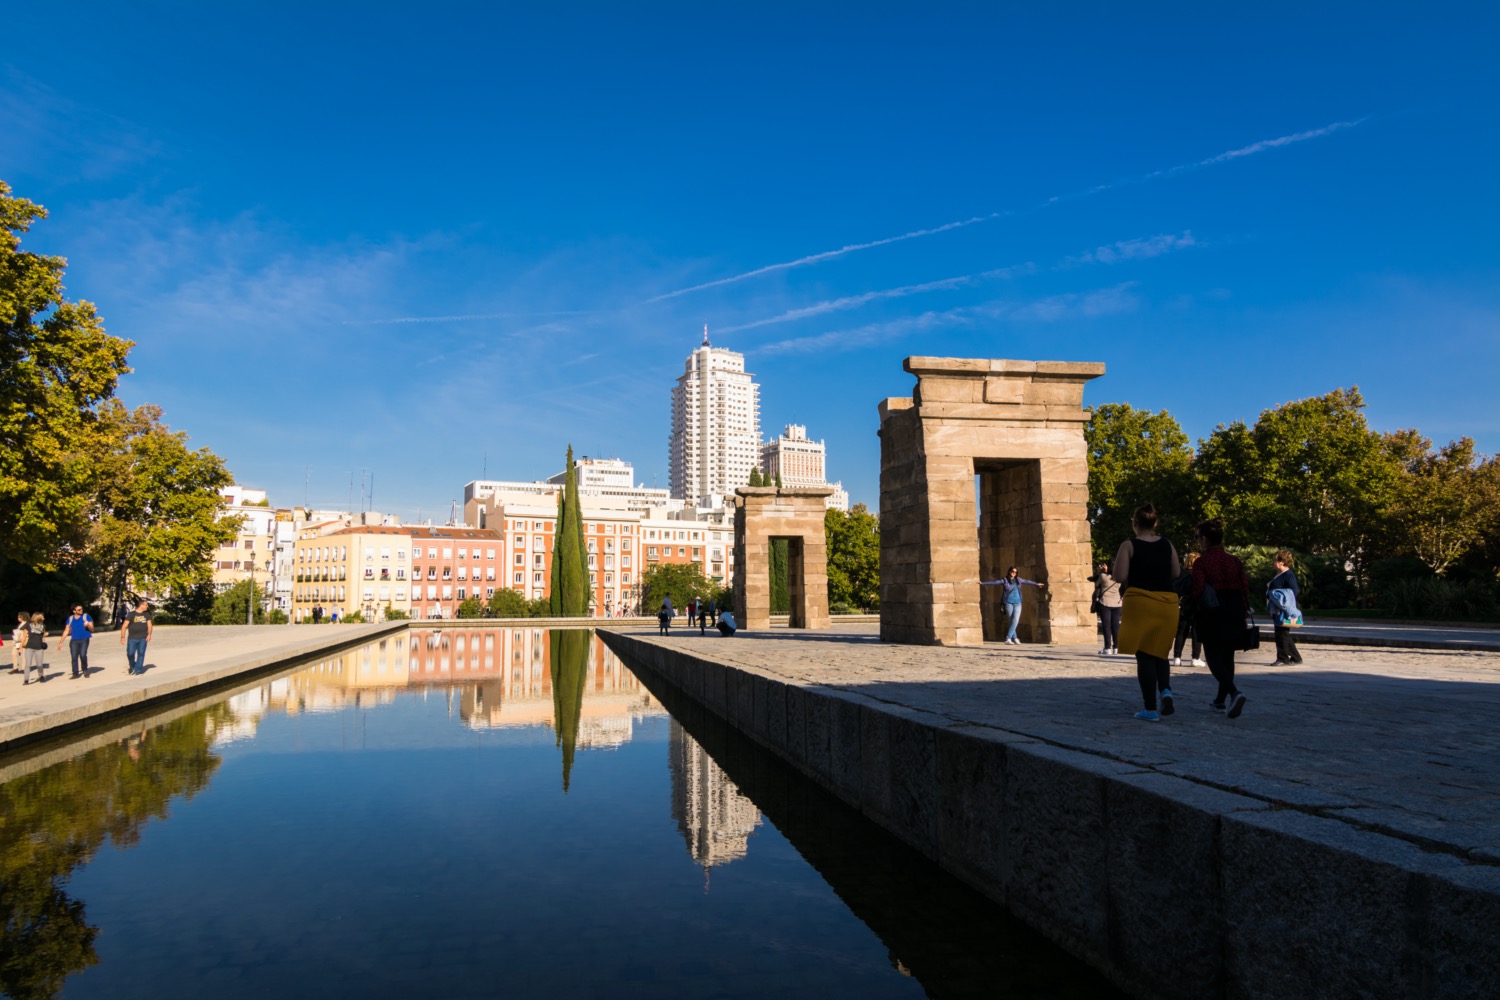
<point x="705" y="335"/>
<point x="372" y="489"/>
<point x="306" y="478"/>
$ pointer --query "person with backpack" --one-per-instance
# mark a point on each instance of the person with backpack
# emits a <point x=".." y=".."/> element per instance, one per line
<point x="1283" y="602"/>
<point x="80" y="629"/>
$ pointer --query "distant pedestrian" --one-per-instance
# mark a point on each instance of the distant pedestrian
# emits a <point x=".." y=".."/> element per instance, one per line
<point x="1010" y="599"/>
<point x="727" y="627"/>
<point x="692" y="612"/>
<point x="713" y="612"/>
<point x="36" y="644"/>
<point x="1107" y="606"/>
<point x="80" y="629"/>
<point x="317" y="614"/>
<point x="1145" y="566"/>
<point x="1221" y="591"/>
<point x="665" y="615"/>
<point x="1284" y="602"/>
<point x="1186" y="615"/>
<point x="18" y="642"/>
<point x="135" y="632"/>
<point x="334" y="617"/>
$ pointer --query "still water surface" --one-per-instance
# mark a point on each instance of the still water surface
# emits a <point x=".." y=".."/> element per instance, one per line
<point x="457" y="813"/>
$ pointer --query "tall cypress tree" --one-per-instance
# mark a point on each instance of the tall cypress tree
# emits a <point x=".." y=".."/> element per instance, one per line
<point x="570" y="545"/>
<point x="554" y="594"/>
<point x="755" y="477"/>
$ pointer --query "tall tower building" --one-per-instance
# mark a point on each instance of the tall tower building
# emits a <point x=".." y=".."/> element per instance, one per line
<point x="715" y="425"/>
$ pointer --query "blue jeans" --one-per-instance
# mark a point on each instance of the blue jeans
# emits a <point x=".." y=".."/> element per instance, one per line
<point x="1012" y="618"/>
<point x="78" y="649"/>
<point x="135" y="655"/>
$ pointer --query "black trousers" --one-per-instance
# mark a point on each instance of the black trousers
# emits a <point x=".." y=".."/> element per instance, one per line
<point x="1185" y="628"/>
<point x="1286" y="646"/>
<point x="1154" y="674"/>
<point x="1220" y="629"/>
<point x="1109" y="622"/>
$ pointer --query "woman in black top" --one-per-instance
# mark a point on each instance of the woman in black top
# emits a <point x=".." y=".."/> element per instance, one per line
<point x="1145" y="566"/>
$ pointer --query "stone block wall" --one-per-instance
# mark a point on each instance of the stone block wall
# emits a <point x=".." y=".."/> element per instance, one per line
<point x="766" y="513"/>
<point x="1018" y="425"/>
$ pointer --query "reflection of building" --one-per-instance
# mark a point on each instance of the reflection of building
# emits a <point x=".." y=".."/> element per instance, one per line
<point x="715" y="819"/>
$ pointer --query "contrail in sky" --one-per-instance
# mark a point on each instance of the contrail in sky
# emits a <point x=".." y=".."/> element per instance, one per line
<point x="1224" y="157"/>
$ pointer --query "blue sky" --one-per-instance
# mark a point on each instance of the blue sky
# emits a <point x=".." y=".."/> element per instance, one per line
<point x="427" y="240"/>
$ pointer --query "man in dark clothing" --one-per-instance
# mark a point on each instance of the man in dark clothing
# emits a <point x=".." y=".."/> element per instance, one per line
<point x="135" y="632"/>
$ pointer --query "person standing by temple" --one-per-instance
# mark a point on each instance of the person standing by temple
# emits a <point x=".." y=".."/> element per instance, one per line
<point x="1145" y="566"/>
<point x="1282" y="610"/>
<point x="80" y="629"/>
<point x="1010" y="599"/>
<point x="1107" y="600"/>
<point x="18" y="641"/>
<point x="135" y="633"/>
<point x="1221" y="591"/>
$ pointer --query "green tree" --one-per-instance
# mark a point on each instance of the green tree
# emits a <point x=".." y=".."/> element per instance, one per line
<point x="853" y="558"/>
<point x="507" y="603"/>
<point x="1135" y="457"/>
<point x="193" y="605"/>
<point x="538" y="607"/>
<point x="470" y="607"/>
<point x="156" y="516"/>
<point x="229" y="607"/>
<point x="1310" y="475"/>
<point x="1446" y="501"/>
<point x="570" y="573"/>
<point x="57" y="364"/>
<point x="682" y="582"/>
<point x="755" y="477"/>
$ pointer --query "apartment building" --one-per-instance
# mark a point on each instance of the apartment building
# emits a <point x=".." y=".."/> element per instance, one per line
<point x="363" y="569"/>
<point x="800" y="462"/>
<point x="450" y="565"/>
<point x="715" y="439"/>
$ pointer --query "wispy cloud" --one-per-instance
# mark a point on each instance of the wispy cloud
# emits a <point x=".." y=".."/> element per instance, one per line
<point x="817" y="258"/>
<point x="462" y="318"/>
<point x="1116" y="299"/>
<point x="1137" y="249"/>
<point x="825" y="255"/>
<point x="852" y="302"/>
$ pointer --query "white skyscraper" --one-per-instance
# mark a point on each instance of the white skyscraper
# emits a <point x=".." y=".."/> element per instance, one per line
<point x="715" y="425"/>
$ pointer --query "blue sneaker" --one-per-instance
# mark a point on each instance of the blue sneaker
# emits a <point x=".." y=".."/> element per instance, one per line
<point x="1167" y="708"/>
<point x="1147" y="715"/>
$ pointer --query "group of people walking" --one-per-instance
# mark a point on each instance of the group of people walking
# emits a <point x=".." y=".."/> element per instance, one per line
<point x="1166" y="600"/>
<point x="30" y="642"/>
<point x="704" y="612"/>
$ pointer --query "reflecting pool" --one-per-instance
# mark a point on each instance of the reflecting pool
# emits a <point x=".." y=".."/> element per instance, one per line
<point x="469" y="813"/>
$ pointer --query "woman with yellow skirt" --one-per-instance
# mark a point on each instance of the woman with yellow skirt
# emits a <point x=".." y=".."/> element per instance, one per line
<point x="1145" y="567"/>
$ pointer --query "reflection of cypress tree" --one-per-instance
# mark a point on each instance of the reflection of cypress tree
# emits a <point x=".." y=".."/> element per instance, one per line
<point x="56" y="818"/>
<point x="570" y="666"/>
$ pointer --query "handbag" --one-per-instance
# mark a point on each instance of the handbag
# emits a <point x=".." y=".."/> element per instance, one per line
<point x="1094" y="605"/>
<point x="1249" y="636"/>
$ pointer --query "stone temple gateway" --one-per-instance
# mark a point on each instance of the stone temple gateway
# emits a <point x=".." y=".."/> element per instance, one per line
<point x="763" y="514"/>
<point x="1016" y="427"/>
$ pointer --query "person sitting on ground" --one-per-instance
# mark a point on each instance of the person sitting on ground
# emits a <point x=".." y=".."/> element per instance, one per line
<point x="727" y="627"/>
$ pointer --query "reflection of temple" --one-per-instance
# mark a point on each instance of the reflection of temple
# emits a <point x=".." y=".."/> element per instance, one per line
<point x="500" y="677"/>
<point x="715" y="819"/>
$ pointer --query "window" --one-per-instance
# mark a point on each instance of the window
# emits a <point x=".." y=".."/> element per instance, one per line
<point x="447" y="592"/>
<point x="400" y="573"/>
<point x="488" y="554"/>
<point x="461" y="594"/>
<point x="681" y="551"/>
<point x="431" y="553"/>
<point x="489" y="573"/>
<point x="520" y="559"/>
<point x="625" y="561"/>
<point x="536" y="578"/>
<point x="447" y="552"/>
<point x="385" y="553"/>
<point x="520" y="541"/>
<point x="463" y="572"/>
<point x="651" y="552"/>
<point x="520" y="578"/>
<point x="463" y="553"/>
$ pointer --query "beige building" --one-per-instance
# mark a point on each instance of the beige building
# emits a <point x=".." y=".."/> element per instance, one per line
<point x="361" y="568"/>
<point x="800" y="462"/>
<point x="252" y="552"/>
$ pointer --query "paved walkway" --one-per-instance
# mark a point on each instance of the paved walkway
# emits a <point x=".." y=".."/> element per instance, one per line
<point x="1404" y="742"/>
<point x="178" y="659"/>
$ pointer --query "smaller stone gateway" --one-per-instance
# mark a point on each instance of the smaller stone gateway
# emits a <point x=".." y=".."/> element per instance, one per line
<point x="763" y="514"/>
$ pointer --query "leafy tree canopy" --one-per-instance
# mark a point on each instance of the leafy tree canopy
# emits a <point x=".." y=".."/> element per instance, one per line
<point x="853" y="557"/>
<point x="1135" y="457"/>
<point x="682" y="582"/>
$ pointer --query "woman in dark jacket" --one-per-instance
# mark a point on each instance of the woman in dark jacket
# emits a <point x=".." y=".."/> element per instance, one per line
<point x="1286" y="647"/>
<point x="1221" y="613"/>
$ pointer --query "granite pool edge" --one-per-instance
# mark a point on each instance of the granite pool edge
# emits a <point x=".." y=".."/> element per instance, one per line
<point x="1169" y="887"/>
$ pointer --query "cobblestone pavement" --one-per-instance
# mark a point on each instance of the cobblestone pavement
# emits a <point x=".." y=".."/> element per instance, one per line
<point x="1403" y="741"/>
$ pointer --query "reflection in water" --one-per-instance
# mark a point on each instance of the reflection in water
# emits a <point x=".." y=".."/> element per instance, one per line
<point x="943" y="934"/>
<point x="53" y="821"/>
<point x="714" y="818"/>
<point x="570" y="661"/>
